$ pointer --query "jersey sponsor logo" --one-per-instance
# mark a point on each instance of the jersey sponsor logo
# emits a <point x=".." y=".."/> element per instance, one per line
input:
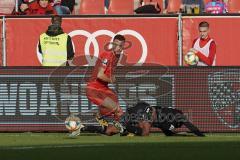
<point x="171" y="127"/>
<point x="105" y="62"/>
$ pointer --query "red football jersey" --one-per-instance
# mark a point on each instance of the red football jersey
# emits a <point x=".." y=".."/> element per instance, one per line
<point x="108" y="61"/>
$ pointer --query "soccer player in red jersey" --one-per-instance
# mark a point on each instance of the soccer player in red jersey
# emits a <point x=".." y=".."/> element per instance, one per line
<point x="98" y="91"/>
<point x="204" y="46"/>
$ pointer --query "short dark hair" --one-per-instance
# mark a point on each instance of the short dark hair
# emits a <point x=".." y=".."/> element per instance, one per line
<point x="119" y="37"/>
<point x="203" y="24"/>
<point x="56" y="19"/>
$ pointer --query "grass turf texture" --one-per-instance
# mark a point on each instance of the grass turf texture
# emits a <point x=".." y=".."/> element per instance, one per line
<point x="34" y="146"/>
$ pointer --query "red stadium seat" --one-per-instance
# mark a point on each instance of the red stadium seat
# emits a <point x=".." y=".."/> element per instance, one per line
<point x="121" y="7"/>
<point x="174" y="6"/>
<point x="7" y="6"/>
<point x="160" y="2"/>
<point x="92" y="7"/>
<point x="206" y="1"/>
<point x="233" y="6"/>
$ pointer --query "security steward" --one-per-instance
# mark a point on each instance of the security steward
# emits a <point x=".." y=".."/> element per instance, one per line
<point x="56" y="46"/>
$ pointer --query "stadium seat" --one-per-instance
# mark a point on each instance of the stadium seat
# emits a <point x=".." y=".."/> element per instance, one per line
<point x="121" y="7"/>
<point x="233" y="6"/>
<point x="160" y="2"/>
<point x="7" y="6"/>
<point x="174" y="6"/>
<point x="206" y="1"/>
<point x="92" y="7"/>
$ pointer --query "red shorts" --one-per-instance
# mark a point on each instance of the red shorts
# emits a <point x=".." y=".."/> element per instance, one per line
<point x="96" y="93"/>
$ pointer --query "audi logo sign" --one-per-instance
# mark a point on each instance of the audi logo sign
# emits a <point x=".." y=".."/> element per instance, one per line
<point x="91" y="39"/>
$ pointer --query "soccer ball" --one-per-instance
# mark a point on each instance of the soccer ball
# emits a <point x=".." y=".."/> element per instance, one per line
<point x="72" y="123"/>
<point x="191" y="58"/>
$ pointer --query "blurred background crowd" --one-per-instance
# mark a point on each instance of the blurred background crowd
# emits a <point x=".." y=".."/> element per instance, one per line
<point x="128" y="7"/>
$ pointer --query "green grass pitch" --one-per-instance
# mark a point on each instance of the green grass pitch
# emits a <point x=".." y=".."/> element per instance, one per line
<point x="43" y="146"/>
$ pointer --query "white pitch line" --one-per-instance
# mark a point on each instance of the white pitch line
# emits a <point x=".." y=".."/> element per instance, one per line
<point x="49" y="147"/>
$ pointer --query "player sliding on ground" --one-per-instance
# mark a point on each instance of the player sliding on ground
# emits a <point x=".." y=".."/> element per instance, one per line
<point x="139" y="119"/>
<point x="97" y="89"/>
<point x="142" y="117"/>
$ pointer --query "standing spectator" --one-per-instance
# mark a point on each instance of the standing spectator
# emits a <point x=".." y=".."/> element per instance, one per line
<point x="55" y="45"/>
<point x="216" y="7"/>
<point x="204" y="46"/>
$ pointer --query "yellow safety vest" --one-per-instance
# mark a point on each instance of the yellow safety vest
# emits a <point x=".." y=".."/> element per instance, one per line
<point x="54" y="49"/>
